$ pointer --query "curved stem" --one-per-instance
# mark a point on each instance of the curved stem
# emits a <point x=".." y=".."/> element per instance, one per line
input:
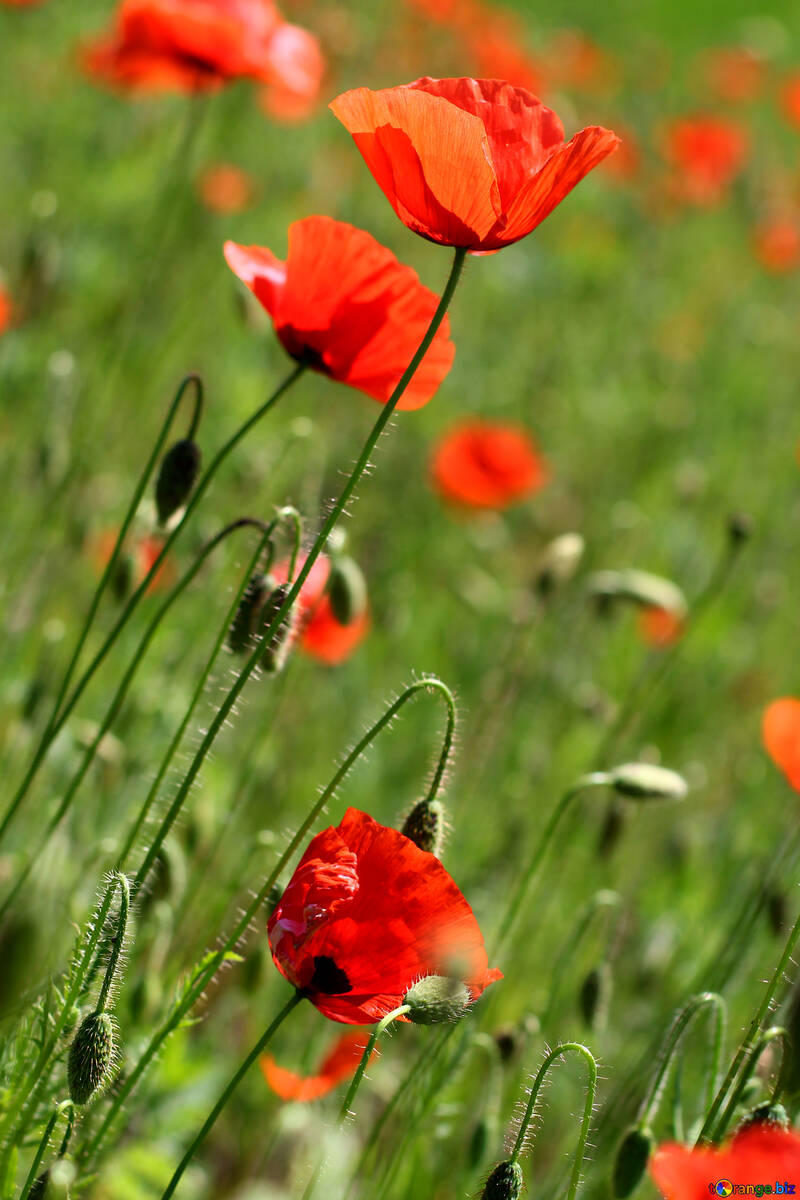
<point x="118" y="941"/>
<point x="117" y="702"/>
<point x="288" y="513"/>
<point x="122" y="620"/>
<point x="228" y="1091"/>
<point x="588" y="1108"/>
<point x="652" y="1099"/>
<point x="447" y="744"/>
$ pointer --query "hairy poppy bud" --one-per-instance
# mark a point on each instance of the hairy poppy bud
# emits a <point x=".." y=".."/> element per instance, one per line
<point x="176" y="478"/>
<point x="90" y="1056"/>
<point x="275" y="653"/>
<point x="559" y="562"/>
<point x="768" y="1113"/>
<point x="595" y="995"/>
<point x="262" y="599"/>
<point x="504" y="1183"/>
<point x="40" y="1186"/>
<point x="643" y="781"/>
<point x="631" y="1162"/>
<point x="424" y="826"/>
<point x="241" y="636"/>
<point x="436" y="998"/>
<point x="347" y="590"/>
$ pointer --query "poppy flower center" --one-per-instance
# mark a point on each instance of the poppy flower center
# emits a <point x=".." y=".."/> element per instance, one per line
<point x="328" y="978"/>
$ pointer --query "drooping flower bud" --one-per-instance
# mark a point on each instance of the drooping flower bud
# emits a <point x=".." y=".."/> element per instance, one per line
<point x="276" y="651"/>
<point x="347" y="590"/>
<point x="437" y="998"/>
<point x="559" y="562"/>
<point x="769" y="1113"/>
<point x="631" y="1162"/>
<point x="504" y="1183"/>
<point x="595" y="996"/>
<point x="241" y="636"/>
<point x="644" y="781"/>
<point x="424" y="826"/>
<point x="176" y="477"/>
<point x="262" y="600"/>
<point x="640" y="588"/>
<point x="90" y="1056"/>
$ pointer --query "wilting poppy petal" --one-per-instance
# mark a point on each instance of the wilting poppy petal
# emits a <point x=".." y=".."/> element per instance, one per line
<point x="474" y="163"/>
<point x="781" y="732"/>
<point x="485" y="464"/>
<point x="343" y="304"/>
<point x="365" y="915"/>
<point x="339" y="1064"/>
<point x="754" y="1156"/>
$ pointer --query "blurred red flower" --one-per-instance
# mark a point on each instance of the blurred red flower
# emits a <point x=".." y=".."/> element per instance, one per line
<point x="735" y="74"/>
<point x="488" y="464"/>
<point x="474" y="163"/>
<point x="708" y="153"/>
<point x="343" y="304"/>
<point x="755" y="1155"/>
<point x="579" y="63"/>
<point x="338" y="1064"/>
<point x="367" y="914"/>
<point x="225" y="188"/>
<point x="777" y="243"/>
<point x="321" y="635"/>
<point x="138" y="558"/>
<point x="658" y="626"/>
<point x="189" y="45"/>
<point x="6" y="310"/>
<point x="780" y="730"/>
<point x="298" y="68"/>
<point x="790" y="96"/>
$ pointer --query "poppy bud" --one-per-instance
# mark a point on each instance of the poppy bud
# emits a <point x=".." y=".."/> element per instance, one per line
<point x="477" y="1142"/>
<point x="347" y="590"/>
<point x="436" y="998"/>
<point x="90" y="1056"/>
<point x="176" y="478"/>
<point x="274" y="657"/>
<point x="643" y="781"/>
<point x="246" y="621"/>
<point x="504" y="1183"/>
<point x="559" y="562"/>
<point x="424" y="826"/>
<point x="508" y="1043"/>
<point x="640" y="588"/>
<point x="595" y="995"/>
<point x="631" y="1162"/>
<point x="740" y="528"/>
<point x="776" y="911"/>
<point x="612" y="829"/>
<point x="122" y="576"/>
<point x="40" y="1185"/>
<point x="769" y="1113"/>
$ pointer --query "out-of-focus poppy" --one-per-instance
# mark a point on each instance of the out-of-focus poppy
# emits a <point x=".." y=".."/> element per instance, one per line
<point x="780" y="729"/>
<point x="344" y="305"/>
<point x="319" y="632"/>
<point x="488" y="464"/>
<point x="6" y="310"/>
<point x="134" y="562"/>
<point x="578" y="62"/>
<point x="659" y="627"/>
<point x="473" y="163"/>
<point x="225" y="188"/>
<point x="338" y="1064"/>
<point x="707" y="153"/>
<point x="298" y="68"/>
<point x="777" y="243"/>
<point x="365" y="916"/>
<point x="735" y="74"/>
<point x="758" y="1153"/>
<point x="188" y="45"/>
<point x="790" y="98"/>
<point x="496" y="42"/>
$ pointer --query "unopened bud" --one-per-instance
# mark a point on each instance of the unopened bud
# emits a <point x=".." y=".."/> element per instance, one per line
<point x="40" y="1186"/>
<point x="776" y="911"/>
<point x="640" y="588"/>
<point x="508" y="1042"/>
<point x="595" y="996"/>
<point x="176" y="478"/>
<point x="559" y="562"/>
<point x="504" y="1183"/>
<point x="769" y="1113"/>
<point x="437" y="998"/>
<point x="241" y="636"/>
<point x="631" y="1162"/>
<point x="740" y="528"/>
<point x="90" y="1056"/>
<point x="424" y="826"/>
<point x="643" y="781"/>
<point x="478" y="1140"/>
<point x="276" y="651"/>
<point x="347" y="590"/>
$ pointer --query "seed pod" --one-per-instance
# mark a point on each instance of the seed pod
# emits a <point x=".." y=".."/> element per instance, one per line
<point x="595" y="996"/>
<point x="559" y="562"/>
<point x="347" y="590"/>
<point x="424" y="826"/>
<point x="90" y="1056"/>
<point x="631" y="1162"/>
<point x="435" y="998"/>
<point x="504" y="1183"/>
<point x="768" y="1113"/>
<point x="176" y="478"/>
<point x="241" y="636"/>
<point x="643" y="781"/>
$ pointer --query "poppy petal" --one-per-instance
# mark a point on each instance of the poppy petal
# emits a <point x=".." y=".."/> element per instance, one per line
<point x="263" y="273"/>
<point x="781" y="732"/>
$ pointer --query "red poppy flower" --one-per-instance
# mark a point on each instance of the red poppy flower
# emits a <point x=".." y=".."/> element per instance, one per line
<point x="474" y="163"/>
<point x="781" y="732"/>
<point x="777" y="244"/>
<point x="321" y="635"/>
<point x="298" y="68"/>
<point x="659" y="627"/>
<point x="338" y="1064"/>
<point x="708" y="154"/>
<point x="756" y="1155"/>
<point x="343" y="304"/>
<point x="486" y="464"/>
<point x="6" y="310"/>
<point x="790" y="97"/>
<point x="137" y="559"/>
<point x="225" y="188"/>
<point x="187" y="45"/>
<point x="365" y="915"/>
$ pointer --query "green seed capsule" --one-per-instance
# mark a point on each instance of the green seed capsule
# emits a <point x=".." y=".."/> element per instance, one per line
<point x="424" y="826"/>
<point x="347" y="590"/>
<point x="504" y="1183"/>
<point x="437" y="998"/>
<point x="90" y="1057"/>
<point x="176" y="478"/>
<point x="631" y="1162"/>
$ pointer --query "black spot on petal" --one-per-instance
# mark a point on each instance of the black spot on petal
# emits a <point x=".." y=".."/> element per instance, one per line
<point x="328" y="978"/>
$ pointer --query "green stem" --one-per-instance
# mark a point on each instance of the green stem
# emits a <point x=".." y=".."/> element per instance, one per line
<point x="604" y="900"/>
<point x="33" y="1173"/>
<point x="117" y="702"/>
<point x="447" y="745"/>
<point x="520" y="893"/>
<point x="749" y="1066"/>
<point x="118" y="941"/>
<point x="683" y="1019"/>
<point x="588" y="1108"/>
<point x="122" y="620"/>
<point x="228" y="1091"/>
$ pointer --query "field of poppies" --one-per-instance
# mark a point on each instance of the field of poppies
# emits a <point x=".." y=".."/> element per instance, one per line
<point x="399" y="704"/>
